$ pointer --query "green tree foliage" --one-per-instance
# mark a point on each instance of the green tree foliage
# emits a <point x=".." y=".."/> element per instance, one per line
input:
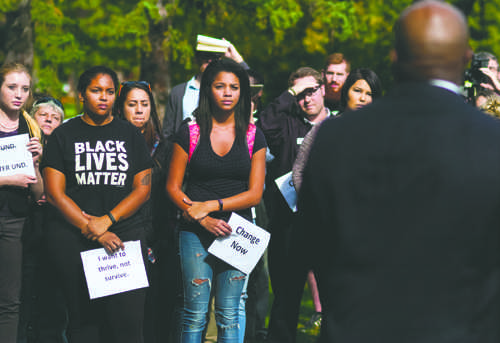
<point x="70" y="36"/>
<point x="57" y="50"/>
<point x="155" y="39"/>
<point x="274" y="36"/>
<point x="370" y="43"/>
<point x="483" y="23"/>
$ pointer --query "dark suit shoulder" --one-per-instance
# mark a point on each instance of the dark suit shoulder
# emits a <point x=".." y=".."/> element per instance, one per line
<point x="178" y="89"/>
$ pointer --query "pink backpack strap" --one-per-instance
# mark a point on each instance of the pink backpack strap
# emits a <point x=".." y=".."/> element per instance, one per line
<point x="251" y="138"/>
<point x="194" y="136"/>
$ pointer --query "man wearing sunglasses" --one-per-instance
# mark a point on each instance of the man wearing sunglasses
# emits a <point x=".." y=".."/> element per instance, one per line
<point x="285" y="122"/>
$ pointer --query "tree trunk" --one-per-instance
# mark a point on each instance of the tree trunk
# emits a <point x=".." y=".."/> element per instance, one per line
<point x="18" y="39"/>
<point x="154" y="64"/>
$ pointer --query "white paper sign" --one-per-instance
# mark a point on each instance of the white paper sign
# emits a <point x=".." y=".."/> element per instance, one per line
<point x="112" y="274"/>
<point x="285" y="185"/>
<point x="244" y="247"/>
<point x="15" y="157"/>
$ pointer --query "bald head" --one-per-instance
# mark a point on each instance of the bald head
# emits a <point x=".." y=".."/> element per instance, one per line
<point x="431" y="42"/>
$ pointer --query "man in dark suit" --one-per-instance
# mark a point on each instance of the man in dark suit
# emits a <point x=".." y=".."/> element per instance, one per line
<point x="400" y="203"/>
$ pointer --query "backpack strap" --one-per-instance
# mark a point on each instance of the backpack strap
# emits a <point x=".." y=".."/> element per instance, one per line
<point x="251" y="138"/>
<point x="194" y="137"/>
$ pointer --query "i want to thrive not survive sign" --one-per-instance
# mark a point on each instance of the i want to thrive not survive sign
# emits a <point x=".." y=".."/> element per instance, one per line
<point x="244" y="247"/>
<point x="108" y="274"/>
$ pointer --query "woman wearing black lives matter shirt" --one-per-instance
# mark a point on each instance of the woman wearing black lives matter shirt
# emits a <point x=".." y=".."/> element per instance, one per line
<point x="97" y="172"/>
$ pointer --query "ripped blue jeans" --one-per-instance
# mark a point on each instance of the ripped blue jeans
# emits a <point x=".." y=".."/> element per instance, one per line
<point x="200" y="272"/>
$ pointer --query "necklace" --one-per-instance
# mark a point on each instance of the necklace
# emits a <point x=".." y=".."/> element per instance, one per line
<point x="9" y="127"/>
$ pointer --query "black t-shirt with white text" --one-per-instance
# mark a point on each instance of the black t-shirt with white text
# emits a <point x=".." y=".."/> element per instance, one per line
<point x="99" y="162"/>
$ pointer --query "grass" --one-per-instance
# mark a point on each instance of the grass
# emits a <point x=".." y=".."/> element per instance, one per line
<point x="303" y="336"/>
<point x="306" y="311"/>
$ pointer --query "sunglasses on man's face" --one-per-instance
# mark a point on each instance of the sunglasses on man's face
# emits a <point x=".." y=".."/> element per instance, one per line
<point x="308" y="92"/>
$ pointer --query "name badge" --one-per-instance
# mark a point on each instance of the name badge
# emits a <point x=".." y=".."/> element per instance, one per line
<point x="300" y="140"/>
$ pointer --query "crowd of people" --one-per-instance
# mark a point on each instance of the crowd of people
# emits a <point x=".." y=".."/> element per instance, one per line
<point x="396" y="228"/>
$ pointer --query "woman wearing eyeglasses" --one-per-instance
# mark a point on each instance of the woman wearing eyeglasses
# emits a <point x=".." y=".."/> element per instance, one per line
<point x="97" y="173"/>
<point x="16" y="192"/>
<point x="135" y="103"/>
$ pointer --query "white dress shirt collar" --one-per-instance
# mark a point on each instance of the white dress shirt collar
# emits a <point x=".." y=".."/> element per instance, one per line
<point x="446" y="85"/>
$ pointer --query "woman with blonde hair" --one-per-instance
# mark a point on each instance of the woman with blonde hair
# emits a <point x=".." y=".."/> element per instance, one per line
<point x="16" y="192"/>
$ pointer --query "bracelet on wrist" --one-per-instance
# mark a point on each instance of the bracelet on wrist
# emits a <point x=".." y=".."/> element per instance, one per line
<point x="113" y="220"/>
<point x="292" y="91"/>
<point x="221" y="204"/>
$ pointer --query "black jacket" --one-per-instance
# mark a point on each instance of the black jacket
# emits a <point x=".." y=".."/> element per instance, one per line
<point x="399" y="214"/>
<point x="284" y="127"/>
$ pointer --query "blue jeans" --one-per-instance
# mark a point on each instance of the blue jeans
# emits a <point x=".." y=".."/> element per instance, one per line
<point x="200" y="271"/>
<point x="242" y="312"/>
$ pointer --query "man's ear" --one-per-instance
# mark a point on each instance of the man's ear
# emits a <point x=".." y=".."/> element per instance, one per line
<point x="393" y="55"/>
<point x="80" y="97"/>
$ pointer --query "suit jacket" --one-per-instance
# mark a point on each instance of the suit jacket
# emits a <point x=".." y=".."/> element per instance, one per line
<point x="173" y="110"/>
<point x="400" y="216"/>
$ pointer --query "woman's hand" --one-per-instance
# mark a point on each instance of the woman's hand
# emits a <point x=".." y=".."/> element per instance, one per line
<point x="218" y="227"/>
<point x="111" y="242"/>
<point x="19" y="180"/>
<point x="96" y="226"/>
<point x="199" y="210"/>
<point x="42" y="200"/>
<point x="35" y="147"/>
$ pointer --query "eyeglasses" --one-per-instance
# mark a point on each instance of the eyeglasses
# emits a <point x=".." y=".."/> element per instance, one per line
<point x="47" y="100"/>
<point x="308" y="92"/>
<point x="131" y="84"/>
